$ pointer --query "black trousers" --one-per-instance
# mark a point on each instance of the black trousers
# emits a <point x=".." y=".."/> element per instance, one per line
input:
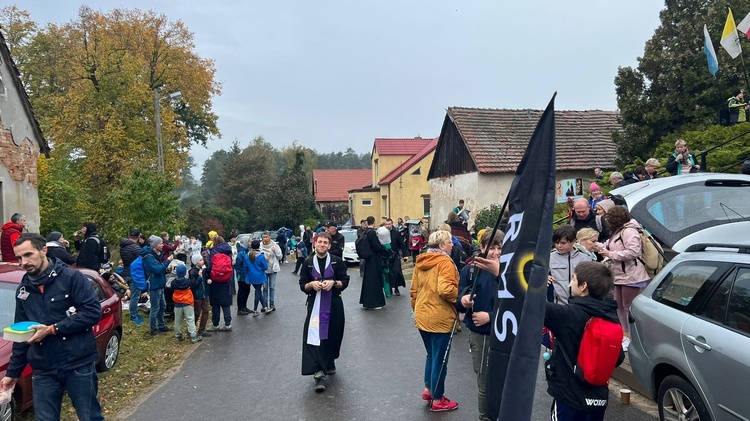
<point x="243" y="293"/>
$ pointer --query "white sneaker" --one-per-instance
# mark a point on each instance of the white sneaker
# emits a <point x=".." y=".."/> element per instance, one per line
<point x="625" y="344"/>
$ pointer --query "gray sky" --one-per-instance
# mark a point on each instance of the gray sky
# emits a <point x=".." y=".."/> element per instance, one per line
<point x="337" y="74"/>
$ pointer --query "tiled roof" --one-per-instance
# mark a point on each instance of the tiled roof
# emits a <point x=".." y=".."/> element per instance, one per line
<point x="429" y="147"/>
<point x="334" y="185"/>
<point x="497" y="138"/>
<point x="406" y="146"/>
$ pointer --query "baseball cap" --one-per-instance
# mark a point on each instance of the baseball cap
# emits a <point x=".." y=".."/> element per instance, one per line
<point x="330" y="224"/>
<point x="135" y="232"/>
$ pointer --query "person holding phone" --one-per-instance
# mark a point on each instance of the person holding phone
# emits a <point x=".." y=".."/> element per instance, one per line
<point x="681" y="161"/>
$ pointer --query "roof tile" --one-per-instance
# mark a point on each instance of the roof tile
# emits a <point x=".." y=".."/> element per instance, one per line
<point x="402" y="146"/>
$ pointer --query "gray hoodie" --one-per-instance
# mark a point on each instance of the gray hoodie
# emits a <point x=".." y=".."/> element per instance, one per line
<point x="561" y="267"/>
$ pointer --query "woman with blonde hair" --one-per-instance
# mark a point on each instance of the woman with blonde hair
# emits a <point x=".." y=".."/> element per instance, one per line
<point x="434" y="289"/>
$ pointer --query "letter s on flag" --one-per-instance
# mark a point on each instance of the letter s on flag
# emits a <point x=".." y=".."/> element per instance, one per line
<point x="507" y="317"/>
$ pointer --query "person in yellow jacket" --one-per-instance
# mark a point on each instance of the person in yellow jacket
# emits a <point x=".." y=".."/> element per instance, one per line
<point x="210" y="242"/>
<point x="434" y="289"/>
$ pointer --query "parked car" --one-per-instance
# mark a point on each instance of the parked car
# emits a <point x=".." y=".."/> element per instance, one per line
<point x="350" y="251"/>
<point x="689" y="209"/>
<point x="108" y="331"/>
<point x="691" y="334"/>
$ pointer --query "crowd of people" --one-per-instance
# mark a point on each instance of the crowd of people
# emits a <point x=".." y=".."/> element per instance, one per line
<point x="596" y="270"/>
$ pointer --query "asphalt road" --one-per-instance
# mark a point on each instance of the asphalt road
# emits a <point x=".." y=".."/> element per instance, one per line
<point x="253" y="372"/>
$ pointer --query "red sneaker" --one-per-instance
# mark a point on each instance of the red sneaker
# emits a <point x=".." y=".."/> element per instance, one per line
<point x="426" y="396"/>
<point x="444" y="404"/>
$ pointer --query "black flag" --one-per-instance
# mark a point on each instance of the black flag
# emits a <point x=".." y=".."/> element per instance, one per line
<point x="519" y="306"/>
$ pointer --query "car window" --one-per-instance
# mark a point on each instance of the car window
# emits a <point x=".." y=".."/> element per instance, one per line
<point x="680" y="286"/>
<point x="97" y="289"/>
<point x="738" y="316"/>
<point x="7" y="304"/>
<point x="349" y="236"/>
<point x="681" y="210"/>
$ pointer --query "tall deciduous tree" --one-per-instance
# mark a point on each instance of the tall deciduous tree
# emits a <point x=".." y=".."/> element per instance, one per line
<point x="671" y="91"/>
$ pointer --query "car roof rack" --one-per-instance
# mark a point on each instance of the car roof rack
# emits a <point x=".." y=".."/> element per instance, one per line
<point x="741" y="248"/>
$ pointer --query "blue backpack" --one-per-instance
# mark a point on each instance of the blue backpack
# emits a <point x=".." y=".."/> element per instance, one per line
<point x="138" y="274"/>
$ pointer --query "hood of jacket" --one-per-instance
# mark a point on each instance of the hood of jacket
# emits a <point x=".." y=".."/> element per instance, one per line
<point x="429" y="260"/>
<point x="606" y="309"/>
<point x="630" y="224"/>
<point x="90" y="229"/>
<point x="224" y="248"/>
<point x="11" y="225"/>
<point x="54" y="244"/>
<point x="146" y="250"/>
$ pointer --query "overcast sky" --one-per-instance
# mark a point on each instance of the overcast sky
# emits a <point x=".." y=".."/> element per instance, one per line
<point x="338" y="74"/>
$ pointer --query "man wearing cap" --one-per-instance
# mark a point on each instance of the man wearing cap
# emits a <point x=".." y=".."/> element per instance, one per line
<point x="11" y="231"/>
<point x="129" y="251"/>
<point x="737" y="107"/>
<point x="156" y="273"/>
<point x="337" y="239"/>
<point x="59" y="248"/>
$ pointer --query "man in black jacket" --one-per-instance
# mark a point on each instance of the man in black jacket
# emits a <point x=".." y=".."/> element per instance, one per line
<point x="89" y="248"/>
<point x="337" y="239"/>
<point x="62" y="351"/>
<point x="574" y="398"/>
<point x="584" y="217"/>
<point x="129" y="251"/>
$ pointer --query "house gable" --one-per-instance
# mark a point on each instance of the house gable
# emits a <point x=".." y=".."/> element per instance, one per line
<point x="451" y="155"/>
<point x="496" y="139"/>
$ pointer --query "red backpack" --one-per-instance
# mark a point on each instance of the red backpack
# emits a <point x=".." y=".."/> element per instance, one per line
<point x="599" y="351"/>
<point x="221" y="268"/>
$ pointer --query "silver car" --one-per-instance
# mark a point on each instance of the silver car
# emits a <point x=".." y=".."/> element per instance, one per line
<point x="691" y="334"/>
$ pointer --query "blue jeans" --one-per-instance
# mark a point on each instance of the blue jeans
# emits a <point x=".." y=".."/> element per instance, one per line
<point x="135" y="295"/>
<point x="436" y="345"/>
<point x="270" y="284"/>
<point x="158" y="305"/>
<point x="227" y="315"/>
<point x="82" y="385"/>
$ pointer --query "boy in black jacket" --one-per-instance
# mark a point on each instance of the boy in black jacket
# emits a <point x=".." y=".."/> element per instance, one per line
<point x="478" y="310"/>
<point x="575" y="399"/>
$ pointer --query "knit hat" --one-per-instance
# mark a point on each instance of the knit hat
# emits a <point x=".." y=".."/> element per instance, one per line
<point x="606" y="205"/>
<point x="54" y="236"/>
<point x="384" y="235"/>
<point x="181" y="271"/>
<point x="154" y="241"/>
<point x="255" y="245"/>
<point x="593" y="187"/>
<point x="194" y="259"/>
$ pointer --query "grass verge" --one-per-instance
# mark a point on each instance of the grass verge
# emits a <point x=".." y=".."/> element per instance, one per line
<point x="142" y="364"/>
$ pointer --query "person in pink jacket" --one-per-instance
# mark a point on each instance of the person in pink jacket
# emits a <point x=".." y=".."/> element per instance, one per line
<point x="623" y="251"/>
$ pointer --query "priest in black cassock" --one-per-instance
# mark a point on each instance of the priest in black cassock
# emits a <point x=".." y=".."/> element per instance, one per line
<point x="322" y="278"/>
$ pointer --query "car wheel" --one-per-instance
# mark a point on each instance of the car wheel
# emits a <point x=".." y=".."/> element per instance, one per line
<point x="111" y="352"/>
<point x="8" y="412"/>
<point x="679" y="401"/>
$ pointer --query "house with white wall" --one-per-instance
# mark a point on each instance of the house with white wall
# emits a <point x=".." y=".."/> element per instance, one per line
<point x="479" y="150"/>
<point x="21" y="144"/>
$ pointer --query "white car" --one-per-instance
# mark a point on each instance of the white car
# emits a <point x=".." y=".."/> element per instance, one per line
<point x="350" y="251"/>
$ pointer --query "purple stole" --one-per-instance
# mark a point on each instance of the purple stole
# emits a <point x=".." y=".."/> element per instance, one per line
<point x="320" y="317"/>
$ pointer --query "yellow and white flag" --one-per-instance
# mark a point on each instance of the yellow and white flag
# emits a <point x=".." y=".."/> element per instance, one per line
<point x="729" y="38"/>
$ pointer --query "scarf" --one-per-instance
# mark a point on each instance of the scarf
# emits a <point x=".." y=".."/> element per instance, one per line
<point x="320" y="318"/>
<point x="267" y="250"/>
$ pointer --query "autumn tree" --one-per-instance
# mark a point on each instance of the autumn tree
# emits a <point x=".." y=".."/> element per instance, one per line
<point x="671" y="90"/>
<point x="92" y="83"/>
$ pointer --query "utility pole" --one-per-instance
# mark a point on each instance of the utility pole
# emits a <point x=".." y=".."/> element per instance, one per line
<point x="159" y="147"/>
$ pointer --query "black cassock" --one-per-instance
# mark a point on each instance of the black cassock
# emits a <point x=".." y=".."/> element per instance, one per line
<point x="316" y="358"/>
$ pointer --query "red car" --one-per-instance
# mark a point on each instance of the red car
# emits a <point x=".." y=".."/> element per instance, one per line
<point x="108" y="331"/>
